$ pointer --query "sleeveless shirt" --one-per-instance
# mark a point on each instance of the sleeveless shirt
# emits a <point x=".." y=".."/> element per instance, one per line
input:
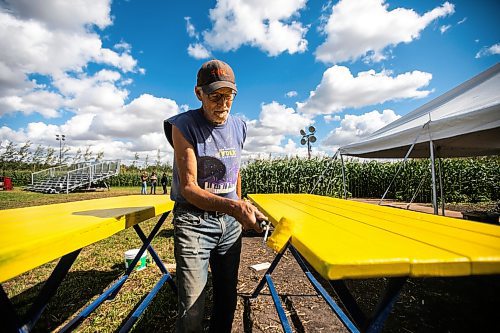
<point x="217" y="149"/>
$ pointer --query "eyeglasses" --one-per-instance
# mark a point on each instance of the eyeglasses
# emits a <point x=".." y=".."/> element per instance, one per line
<point x="216" y="97"/>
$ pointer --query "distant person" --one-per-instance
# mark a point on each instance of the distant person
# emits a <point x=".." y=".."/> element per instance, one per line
<point x="144" y="183"/>
<point x="164" y="182"/>
<point x="208" y="212"/>
<point x="153" y="180"/>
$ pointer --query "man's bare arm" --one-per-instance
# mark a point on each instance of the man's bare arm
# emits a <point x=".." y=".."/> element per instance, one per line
<point x="238" y="186"/>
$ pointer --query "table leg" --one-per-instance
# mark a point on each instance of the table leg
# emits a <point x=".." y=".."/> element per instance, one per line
<point x="157" y="260"/>
<point x="349" y="302"/>
<point x="111" y="292"/>
<point x="269" y="271"/>
<point x="320" y="290"/>
<point x="14" y="323"/>
<point x="386" y="303"/>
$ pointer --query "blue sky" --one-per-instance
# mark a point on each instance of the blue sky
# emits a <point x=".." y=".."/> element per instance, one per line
<point x="106" y="73"/>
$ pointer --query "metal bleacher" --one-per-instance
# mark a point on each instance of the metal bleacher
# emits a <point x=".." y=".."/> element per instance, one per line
<point x="65" y="179"/>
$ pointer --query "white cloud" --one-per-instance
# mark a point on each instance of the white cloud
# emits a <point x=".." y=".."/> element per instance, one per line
<point x="38" y="101"/>
<point x="339" y="89"/>
<point x="191" y="30"/>
<point x="124" y="46"/>
<point x="78" y="128"/>
<point x="144" y="115"/>
<point x="267" y="25"/>
<point x="104" y="96"/>
<point x="149" y="143"/>
<point x="444" y="28"/>
<point x="94" y="94"/>
<point x="67" y="15"/>
<point x="487" y="51"/>
<point x="329" y="118"/>
<point x="54" y="42"/>
<point x="462" y="20"/>
<point x="37" y="132"/>
<point x="365" y="28"/>
<point x="290" y="94"/>
<point x="51" y="42"/>
<point x="11" y="81"/>
<point x="36" y="49"/>
<point x="135" y="127"/>
<point x="353" y="127"/>
<point x="289" y="149"/>
<point x="198" y="51"/>
<point x="8" y="134"/>
<point x="282" y="120"/>
<point x="275" y="122"/>
<point x="123" y="61"/>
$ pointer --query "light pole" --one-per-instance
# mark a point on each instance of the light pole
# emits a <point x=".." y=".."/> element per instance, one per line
<point x="308" y="138"/>
<point x="60" y="138"/>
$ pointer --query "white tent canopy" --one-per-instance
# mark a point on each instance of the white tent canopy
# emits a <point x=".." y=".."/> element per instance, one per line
<point x="463" y="122"/>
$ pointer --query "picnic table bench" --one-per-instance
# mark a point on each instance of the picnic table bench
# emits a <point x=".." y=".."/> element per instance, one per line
<point x="33" y="236"/>
<point x="343" y="239"/>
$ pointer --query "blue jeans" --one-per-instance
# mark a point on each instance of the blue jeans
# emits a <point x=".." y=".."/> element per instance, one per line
<point x="202" y="239"/>
<point x="144" y="188"/>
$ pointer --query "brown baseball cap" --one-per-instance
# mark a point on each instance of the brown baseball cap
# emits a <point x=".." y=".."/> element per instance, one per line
<point x="215" y="74"/>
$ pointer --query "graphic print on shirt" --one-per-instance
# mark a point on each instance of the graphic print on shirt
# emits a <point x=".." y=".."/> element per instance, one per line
<point x="219" y="174"/>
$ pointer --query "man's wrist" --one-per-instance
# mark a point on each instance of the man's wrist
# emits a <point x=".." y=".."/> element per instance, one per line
<point x="233" y="206"/>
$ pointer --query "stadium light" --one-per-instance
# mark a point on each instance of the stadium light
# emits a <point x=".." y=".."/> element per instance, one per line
<point x="308" y="138"/>
<point x="60" y="138"/>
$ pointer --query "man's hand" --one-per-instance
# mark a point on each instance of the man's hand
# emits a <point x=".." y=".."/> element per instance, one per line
<point x="249" y="216"/>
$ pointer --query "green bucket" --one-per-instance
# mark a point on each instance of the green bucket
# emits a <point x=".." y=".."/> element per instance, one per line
<point x="129" y="257"/>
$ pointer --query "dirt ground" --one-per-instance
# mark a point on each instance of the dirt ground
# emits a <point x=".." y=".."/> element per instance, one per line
<point x="465" y="304"/>
<point x="306" y="311"/>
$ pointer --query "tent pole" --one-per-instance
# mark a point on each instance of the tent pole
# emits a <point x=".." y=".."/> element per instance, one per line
<point x="404" y="161"/>
<point x="343" y="176"/>
<point x="441" y="185"/>
<point x="416" y="193"/>
<point x="433" y="173"/>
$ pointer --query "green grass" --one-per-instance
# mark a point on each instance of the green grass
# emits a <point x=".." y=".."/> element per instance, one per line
<point x="97" y="266"/>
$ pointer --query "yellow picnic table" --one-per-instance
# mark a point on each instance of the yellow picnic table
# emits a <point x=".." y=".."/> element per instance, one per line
<point x="33" y="236"/>
<point x="344" y="239"/>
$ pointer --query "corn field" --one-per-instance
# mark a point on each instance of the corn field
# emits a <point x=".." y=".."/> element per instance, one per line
<point x="464" y="179"/>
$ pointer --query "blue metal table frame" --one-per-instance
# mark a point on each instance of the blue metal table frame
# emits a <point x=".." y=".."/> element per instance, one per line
<point x="350" y="314"/>
<point x="13" y="323"/>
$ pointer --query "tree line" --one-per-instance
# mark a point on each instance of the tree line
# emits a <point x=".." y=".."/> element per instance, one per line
<point x="15" y="158"/>
<point x="27" y="157"/>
